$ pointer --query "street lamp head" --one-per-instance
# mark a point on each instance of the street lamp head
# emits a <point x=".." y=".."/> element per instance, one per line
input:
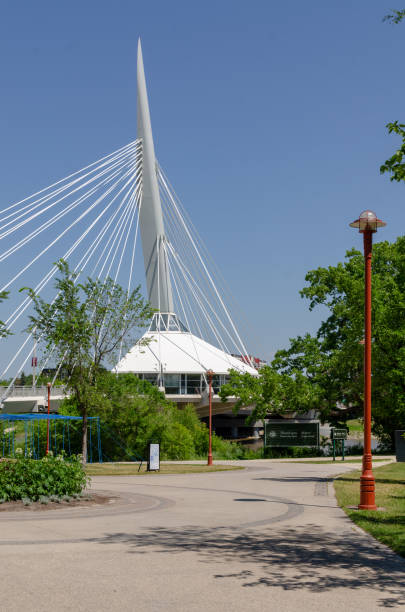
<point x="367" y="221"/>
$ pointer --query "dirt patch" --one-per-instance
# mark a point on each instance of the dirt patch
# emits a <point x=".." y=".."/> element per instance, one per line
<point x="88" y="501"/>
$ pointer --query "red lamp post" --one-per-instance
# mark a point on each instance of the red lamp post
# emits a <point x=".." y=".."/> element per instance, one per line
<point x="47" y="422"/>
<point x="367" y="224"/>
<point x="210" y="375"/>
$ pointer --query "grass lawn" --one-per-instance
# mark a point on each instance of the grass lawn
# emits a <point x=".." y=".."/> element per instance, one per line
<point x="355" y="425"/>
<point x="338" y="460"/>
<point x="131" y="469"/>
<point x="388" y="525"/>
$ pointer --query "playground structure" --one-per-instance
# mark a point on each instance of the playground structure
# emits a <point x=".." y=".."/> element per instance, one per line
<point x="32" y="440"/>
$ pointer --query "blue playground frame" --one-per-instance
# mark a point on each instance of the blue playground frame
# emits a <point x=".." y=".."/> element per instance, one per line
<point x="60" y="424"/>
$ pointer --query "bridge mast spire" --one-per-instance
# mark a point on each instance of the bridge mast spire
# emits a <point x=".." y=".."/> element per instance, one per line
<point x="150" y="216"/>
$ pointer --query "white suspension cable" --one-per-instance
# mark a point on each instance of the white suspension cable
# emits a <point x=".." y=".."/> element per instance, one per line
<point x="122" y="233"/>
<point x="70" y="250"/>
<point x="48" y="223"/>
<point x="176" y="280"/>
<point x="134" y="208"/>
<point x="138" y="205"/>
<point x="207" y="272"/>
<point x="120" y="159"/>
<point x="218" y="273"/>
<point x="113" y="238"/>
<point x="198" y="290"/>
<point x="70" y="207"/>
<point x="86" y="212"/>
<point x="44" y="281"/>
<point x="190" y="282"/>
<point x="70" y="176"/>
<point x="138" y="209"/>
<point x="181" y="303"/>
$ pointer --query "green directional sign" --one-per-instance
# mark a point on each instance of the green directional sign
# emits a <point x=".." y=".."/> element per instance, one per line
<point x="291" y="434"/>
<point x="338" y="434"/>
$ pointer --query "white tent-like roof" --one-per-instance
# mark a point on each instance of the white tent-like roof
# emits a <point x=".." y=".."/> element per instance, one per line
<point x="178" y="351"/>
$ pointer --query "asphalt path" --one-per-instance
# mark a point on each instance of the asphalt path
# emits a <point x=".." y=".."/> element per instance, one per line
<point x="269" y="537"/>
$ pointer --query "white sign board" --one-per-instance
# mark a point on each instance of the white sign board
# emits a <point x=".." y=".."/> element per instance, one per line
<point x="154" y="457"/>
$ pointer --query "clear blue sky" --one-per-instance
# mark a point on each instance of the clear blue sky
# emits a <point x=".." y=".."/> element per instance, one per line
<point x="269" y="118"/>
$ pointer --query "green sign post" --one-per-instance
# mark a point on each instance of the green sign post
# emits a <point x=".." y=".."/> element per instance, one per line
<point x="291" y="434"/>
<point x="338" y="434"/>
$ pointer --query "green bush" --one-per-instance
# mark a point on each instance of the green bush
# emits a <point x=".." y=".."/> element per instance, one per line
<point x="33" y="479"/>
<point x="134" y="413"/>
<point x="176" y="443"/>
<point x="293" y="451"/>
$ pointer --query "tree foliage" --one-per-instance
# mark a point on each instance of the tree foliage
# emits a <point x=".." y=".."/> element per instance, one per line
<point x="396" y="163"/>
<point x="325" y="371"/>
<point x="271" y="392"/>
<point x="333" y="359"/>
<point x="134" y="412"/>
<point x="395" y="17"/>
<point x="3" y="328"/>
<point x="85" y="325"/>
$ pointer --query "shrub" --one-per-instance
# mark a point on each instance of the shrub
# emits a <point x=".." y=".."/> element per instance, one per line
<point x="177" y="443"/>
<point x="293" y="451"/>
<point x="35" y="479"/>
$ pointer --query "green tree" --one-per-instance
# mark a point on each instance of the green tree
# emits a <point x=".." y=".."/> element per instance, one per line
<point x="271" y="391"/>
<point x="134" y="412"/>
<point x="333" y="359"/>
<point x="85" y="325"/>
<point x="396" y="164"/>
<point x="115" y="318"/>
<point x="396" y="16"/>
<point x="3" y="328"/>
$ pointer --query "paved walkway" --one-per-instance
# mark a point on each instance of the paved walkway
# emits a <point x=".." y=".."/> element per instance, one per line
<point x="266" y="538"/>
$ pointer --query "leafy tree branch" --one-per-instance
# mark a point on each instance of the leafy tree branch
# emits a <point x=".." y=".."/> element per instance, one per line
<point x="86" y="325"/>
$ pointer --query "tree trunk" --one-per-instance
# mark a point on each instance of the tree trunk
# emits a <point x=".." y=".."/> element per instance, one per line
<point x="84" y="437"/>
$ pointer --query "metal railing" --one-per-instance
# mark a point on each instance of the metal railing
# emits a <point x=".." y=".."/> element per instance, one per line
<point x="40" y="391"/>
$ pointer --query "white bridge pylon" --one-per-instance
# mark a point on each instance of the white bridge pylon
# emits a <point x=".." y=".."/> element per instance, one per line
<point x="92" y="219"/>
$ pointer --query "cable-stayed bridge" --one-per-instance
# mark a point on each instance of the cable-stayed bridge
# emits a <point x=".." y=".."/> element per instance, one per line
<point x="98" y="219"/>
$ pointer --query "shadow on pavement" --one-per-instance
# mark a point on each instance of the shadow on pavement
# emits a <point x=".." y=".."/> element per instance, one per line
<point x="306" y="557"/>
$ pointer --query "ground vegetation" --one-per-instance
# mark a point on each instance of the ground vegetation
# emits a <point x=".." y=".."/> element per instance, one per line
<point x="135" y="469"/>
<point x="25" y="478"/>
<point x="134" y="413"/>
<point x="388" y="523"/>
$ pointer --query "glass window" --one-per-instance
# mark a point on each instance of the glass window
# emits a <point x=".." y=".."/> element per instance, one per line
<point x="217" y="381"/>
<point x="172" y="384"/>
<point x="173" y="324"/>
<point x="166" y="322"/>
<point x="152" y="378"/>
<point x="193" y="383"/>
<point x="153" y="326"/>
<point x="183" y="327"/>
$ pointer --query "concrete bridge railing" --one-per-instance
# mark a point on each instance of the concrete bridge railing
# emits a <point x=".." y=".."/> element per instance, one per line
<point x="38" y="391"/>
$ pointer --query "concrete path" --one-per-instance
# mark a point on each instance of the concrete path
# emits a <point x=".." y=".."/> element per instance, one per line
<point x="269" y="537"/>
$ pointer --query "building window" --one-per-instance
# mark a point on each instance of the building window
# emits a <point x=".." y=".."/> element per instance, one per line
<point x="152" y="378"/>
<point x="192" y="383"/>
<point x="182" y="384"/>
<point x="172" y="384"/>
<point x="218" y="380"/>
